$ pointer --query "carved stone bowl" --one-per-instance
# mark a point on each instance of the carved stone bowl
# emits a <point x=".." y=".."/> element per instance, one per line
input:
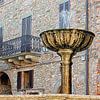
<point x="74" y="39"/>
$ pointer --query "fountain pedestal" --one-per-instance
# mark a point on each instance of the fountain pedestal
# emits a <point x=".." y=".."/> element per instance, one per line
<point x="66" y="57"/>
<point x="66" y="42"/>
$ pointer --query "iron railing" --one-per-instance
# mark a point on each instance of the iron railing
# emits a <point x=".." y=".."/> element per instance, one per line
<point x="26" y="43"/>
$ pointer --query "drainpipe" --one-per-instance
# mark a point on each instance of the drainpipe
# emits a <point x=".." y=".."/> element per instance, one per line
<point x="87" y="53"/>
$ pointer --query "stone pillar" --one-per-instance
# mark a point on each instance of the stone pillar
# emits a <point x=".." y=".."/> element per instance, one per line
<point x="66" y="81"/>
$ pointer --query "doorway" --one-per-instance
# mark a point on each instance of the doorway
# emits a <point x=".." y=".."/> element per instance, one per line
<point x="5" y="84"/>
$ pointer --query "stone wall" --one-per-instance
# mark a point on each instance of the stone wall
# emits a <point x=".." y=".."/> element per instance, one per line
<point x="94" y="51"/>
<point x="42" y="11"/>
<point x="78" y="14"/>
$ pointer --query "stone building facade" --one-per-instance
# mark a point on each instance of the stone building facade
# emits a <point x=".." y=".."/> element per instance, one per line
<point x="45" y="74"/>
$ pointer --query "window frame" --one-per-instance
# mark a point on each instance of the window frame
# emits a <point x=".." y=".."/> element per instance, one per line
<point x="30" y="79"/>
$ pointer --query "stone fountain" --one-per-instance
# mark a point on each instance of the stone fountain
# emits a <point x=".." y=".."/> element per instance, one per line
<point x="67" y="42"/>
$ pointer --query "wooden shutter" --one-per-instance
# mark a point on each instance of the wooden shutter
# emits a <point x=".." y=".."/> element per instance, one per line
<point x="1" y="37"/>
<point x="19" y="74"/>
<point x="60" y="16"/>
<point x="26" y="25"/>
<point x="26" y="32"/>
<point x="60" y="7"/>
<point x="31" y="72"/>
<point x="29" y="25"/>
<point x="67" y="6"/>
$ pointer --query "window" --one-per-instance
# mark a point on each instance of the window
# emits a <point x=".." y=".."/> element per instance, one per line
<point x="26" y="79"/>
<point x="64" y="10"/>
<point x="26" y="25"/>
<point x="1" y="1"/>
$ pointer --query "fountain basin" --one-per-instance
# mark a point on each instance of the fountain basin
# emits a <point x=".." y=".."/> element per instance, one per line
<point x="74" y="39"/>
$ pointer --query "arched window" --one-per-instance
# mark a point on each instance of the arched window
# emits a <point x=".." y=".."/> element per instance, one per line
<point x="4" y="79"/>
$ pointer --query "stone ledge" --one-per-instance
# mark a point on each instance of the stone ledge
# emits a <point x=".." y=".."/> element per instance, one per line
<point x="49" y="97"/>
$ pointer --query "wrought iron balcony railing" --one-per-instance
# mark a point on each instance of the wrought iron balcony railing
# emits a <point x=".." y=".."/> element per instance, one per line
<point x="27" y="43"/>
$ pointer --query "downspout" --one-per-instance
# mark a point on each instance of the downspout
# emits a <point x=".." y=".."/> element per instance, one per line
<point x="87" y="52"/>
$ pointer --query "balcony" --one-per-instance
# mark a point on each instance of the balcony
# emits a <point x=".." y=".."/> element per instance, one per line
<point x="21" y="51"/>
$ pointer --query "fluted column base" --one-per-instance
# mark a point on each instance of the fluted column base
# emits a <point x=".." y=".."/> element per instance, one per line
<point x="66" y="62"/>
